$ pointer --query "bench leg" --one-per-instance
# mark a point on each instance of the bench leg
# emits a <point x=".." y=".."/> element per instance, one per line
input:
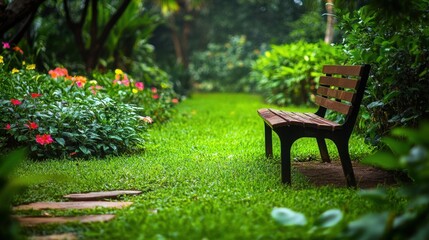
<point x="268" y="141"/>
<point x="323" y="150"/>
<point x="343" y="150"/>
<point x="286" y="145"/>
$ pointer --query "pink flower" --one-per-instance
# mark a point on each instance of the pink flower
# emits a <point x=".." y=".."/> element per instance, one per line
<point x="15" y="102"/>
<point x="31" y="125"/>
<point x="8" y="127"/>
<point x="44" y="139"/>
<point x="125" y="80"/>
<point x="154" y="90"/>
<point x="139" y="86"/>
<point x="35" y="95"/>
<point x="175" y="100"/>
<point x="6" y="45"/>
<point x="155" y="96"/>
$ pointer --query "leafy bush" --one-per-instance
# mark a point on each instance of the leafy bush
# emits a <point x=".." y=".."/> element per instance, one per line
<point x="397" y="49"/>
<point x="288" y="74"/>
<point x="223" y="67"/>
<point x="59" y="115"/>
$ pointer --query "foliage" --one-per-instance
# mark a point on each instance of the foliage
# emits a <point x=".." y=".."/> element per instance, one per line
<point x="397" y="49"/>
<point x="223" y="67"/>
<point x="288" y="74"/>
<point x="9" y="186"/>
<point x="59" y="115"/>
<point x="410" y="153"/>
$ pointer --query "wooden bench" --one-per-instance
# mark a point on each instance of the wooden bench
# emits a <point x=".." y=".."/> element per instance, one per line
<point x="341" y="90"/>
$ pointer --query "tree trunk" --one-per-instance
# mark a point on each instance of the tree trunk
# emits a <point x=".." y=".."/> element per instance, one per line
<point x="91" y="55"/>
<point x="16" y="11"/>
<point x="329" y="34"/>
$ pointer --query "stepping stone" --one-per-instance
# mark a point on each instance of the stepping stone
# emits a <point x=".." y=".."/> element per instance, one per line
<point x="71" y="205"/>
<point x="34" y="221"/>
<point x="64" y="236"/>
<point x="100" y="195"/>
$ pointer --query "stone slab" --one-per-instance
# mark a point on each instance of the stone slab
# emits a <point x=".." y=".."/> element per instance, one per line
<point x="34" y="221"/>
<point x="91" y="196"/>
<point x="71" y="205"/>
<point x="64" y="236"/>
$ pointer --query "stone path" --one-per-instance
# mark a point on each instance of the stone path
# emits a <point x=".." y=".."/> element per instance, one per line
<point x="78" y="201"/>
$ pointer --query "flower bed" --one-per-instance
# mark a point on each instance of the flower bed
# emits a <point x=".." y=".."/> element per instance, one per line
<point x="58" y="115"/>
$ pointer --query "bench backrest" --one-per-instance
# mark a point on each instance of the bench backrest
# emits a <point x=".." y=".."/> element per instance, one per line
<point x="342" y="90"/>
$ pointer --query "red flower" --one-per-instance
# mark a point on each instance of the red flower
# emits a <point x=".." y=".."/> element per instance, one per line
<point x="175" y="100"/>
<point x="8" y="127"/>
<point x="6" y="45"/>
<point x="15" y="102"/>
<point x="44" y="139"/>
<point x="155" y="96"/>
<point x="154" y="90"/>
<point x="31" y="125"/>
<point x="35" y="95"/>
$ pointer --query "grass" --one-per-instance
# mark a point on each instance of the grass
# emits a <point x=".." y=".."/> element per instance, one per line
<point x="204" y="176"/>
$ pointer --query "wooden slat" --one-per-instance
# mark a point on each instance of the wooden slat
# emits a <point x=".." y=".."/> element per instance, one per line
<point x="333" y="105"/>
<point x="342" y="70"/>
<point x="338" y="82"/>
<point x="271" y="119"/>
<point x="323" y="123"/>
<point x="335" y="93"/>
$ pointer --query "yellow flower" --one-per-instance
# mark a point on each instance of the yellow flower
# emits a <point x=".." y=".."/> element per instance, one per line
<point x="93" y="82"/>
<point x="23" y="63"/>
<point x="31" y="67"/>
<point x="1" y="59"/>
<point x="119" y="72"/>
<point x="14" y="70"/>
<point x="135" y="90"/>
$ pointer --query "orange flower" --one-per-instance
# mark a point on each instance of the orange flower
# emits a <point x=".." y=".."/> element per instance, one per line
<point x="79" y="80"/>
<point x="18" y="49"/>
<point x="59" y="72"/>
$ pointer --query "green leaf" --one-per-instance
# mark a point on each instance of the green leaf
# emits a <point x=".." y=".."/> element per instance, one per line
<point x="60" y="141"/>
<point x="84" y="150"/>
<point x="288" y="217"/>
<point x="397" y="147"/>
<point x="384" y="160"/>
<point x="9" y="162"/>
<point x="368" y="227"/>
<point x="329" y="218"/>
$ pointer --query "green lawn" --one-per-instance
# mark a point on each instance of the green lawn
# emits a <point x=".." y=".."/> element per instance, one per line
<point x="204" y="176"/>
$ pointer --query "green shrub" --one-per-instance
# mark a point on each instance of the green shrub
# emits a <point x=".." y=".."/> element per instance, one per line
<point x="288" y="74"/>
<point x="223" y="67"/>
<point x="397" y="49"/>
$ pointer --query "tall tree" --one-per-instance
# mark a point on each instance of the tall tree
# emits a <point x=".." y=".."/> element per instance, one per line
<point x="92" y="51"/>
<point x="17" y="12"/>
